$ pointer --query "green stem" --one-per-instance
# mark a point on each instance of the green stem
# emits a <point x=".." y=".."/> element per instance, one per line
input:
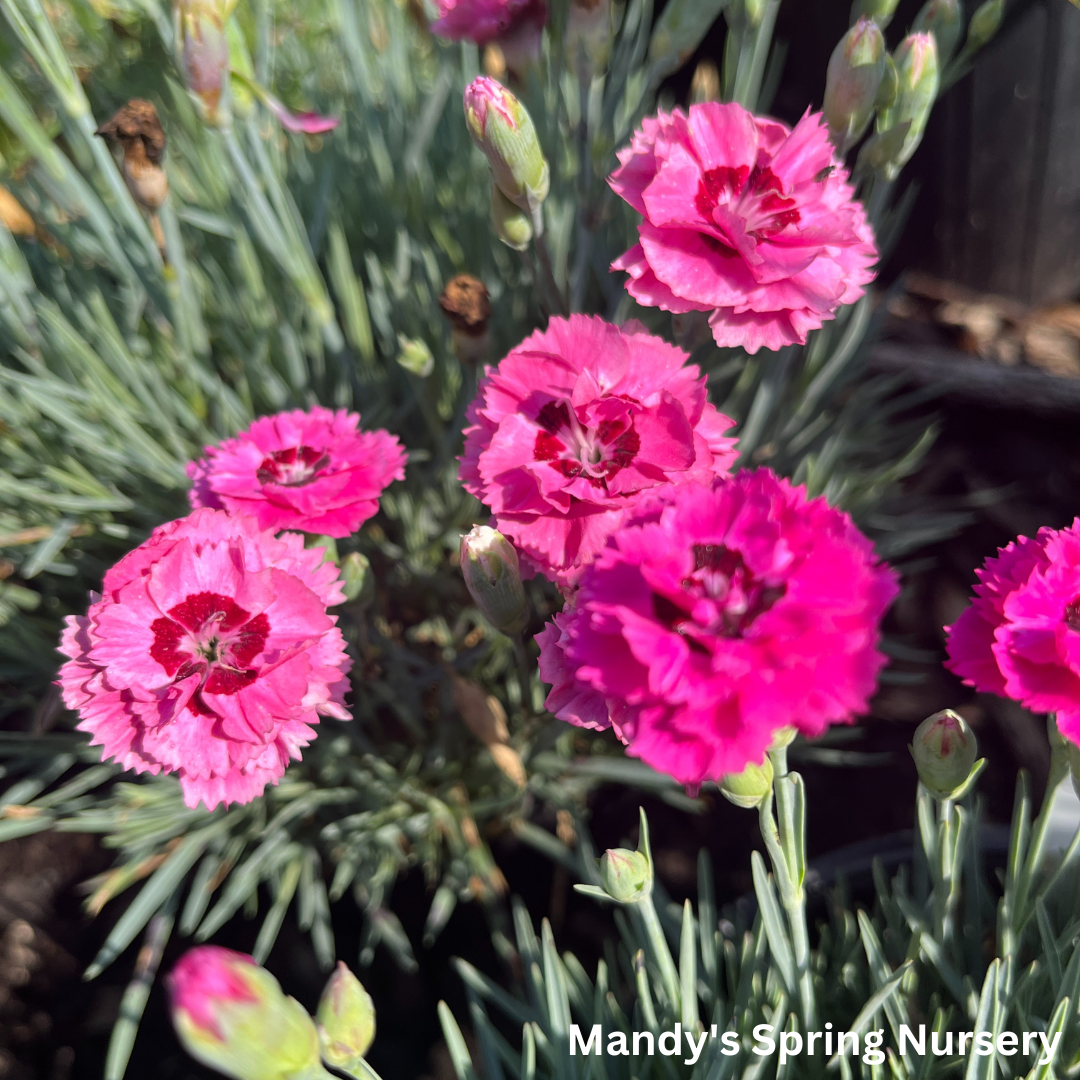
<point x="786" y="844"/>
<point x="544" y="258"/>
<point x="661" y="953"/>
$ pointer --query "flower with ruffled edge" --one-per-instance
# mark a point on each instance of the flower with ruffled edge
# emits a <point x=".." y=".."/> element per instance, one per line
<point x="577" y="424"/>
<point x="717" y="616"/>
<point x="746" y="219"/>
<point x="209" y="654"/>
<point x="312" y="471"/>
<point x="1020" y="638"/>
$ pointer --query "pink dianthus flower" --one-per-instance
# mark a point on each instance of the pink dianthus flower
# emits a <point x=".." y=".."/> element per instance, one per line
<point x="745" y="219"/>
<point x="578" y="423"/>
<point x="1020" y="637"/>
<point x="517" y="26"/>
<point x="209" y="654"/>
<point x="311" y="471"/>
<point x="717" y="616"/>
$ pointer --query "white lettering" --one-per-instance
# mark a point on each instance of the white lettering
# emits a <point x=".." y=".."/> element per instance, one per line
<point x="906" y="1036"/>
<point x="695" y="1051"/>
<point x="647" y="1035"/>
<point x="790" y="1045"/>
<point x="761" y="1037"/>
<point x="616" y="1045"/>
<point x="729" y="1042"/>
<point x="984" y="1043"/>
<point x="1048" y="1047"/>
<point x="1006" y="1043"/>
<point x="676" y="1041"/>
<point x="595" y="1036"/>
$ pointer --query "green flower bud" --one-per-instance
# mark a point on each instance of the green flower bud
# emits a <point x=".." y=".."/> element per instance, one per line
<point x="944" y="749"/>
<point x="502" y="128"/>
<point x="881" y="11"/>
<point x="984" y="24"/>
<point x="511" y="224"/>
<point x="626" y="875"/>
<point x="588" y="36"/>
<point x="345" y="1021"/>
<point x="679" y="31"/>
<point x="358" y="578"/>
<point x="782" y="737"/>
<point x="852" y="82"/>
<point x="945" y="20"/>
<point x="748" y="788"/>
<point x="917" y="85"/>
<point x="489" y="564"/>
<point x="415" y="356"/>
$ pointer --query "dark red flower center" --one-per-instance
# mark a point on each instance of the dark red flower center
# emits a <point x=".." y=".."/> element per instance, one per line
<point x="755" y="195"/>
<point x="1072" y="614"/>
<point x="575" y="449"/>
<point x="295" y="467"/>
<point x="720" y="598"/>
<point x="210" y="635"/>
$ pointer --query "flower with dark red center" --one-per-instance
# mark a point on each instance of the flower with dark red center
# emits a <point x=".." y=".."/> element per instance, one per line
<point x="209" y="654"/>
<point x="575" y="426"/>
<point x="715" y="616"/>
<point x="1020" y="637"/>
<point x="746" y="219"/>
<point x="312" y="471"/>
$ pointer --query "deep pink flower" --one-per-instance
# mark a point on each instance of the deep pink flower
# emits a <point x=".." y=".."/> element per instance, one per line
<point x="206" y="977"/>
<point x="311" y="471"/>
<point x="209" y="654"/>
<point x="484" y="21"/>
<point x="578" y="423"/>
<point x="746" y="219"/>
<point x="1021" y="636"/>
<point x="718" y="615"/>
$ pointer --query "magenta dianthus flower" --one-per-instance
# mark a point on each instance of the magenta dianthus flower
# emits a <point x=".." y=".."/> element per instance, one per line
<point x="1020" y="638"/>
<point x="745" y="219"/>
<point x="575" y="426"/>
<point x="209" y="654"/>
<point x="720" y="614"/>
<point x="484" y="21"/>
<point x="312" y="471"/>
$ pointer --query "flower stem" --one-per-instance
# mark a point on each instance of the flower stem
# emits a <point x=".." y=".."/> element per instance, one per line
<point x="785" y="841"/>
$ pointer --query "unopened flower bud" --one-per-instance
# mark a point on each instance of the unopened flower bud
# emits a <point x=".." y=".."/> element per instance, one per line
<point x="748" y="788"/>
<point x="945" y="20"/>
<point x="502" y="128"/>
<point x="626" y="875"/>
<point x="232" y="1015"/>
<point x="984" y="24"/>
<point x="782" y="737"/>
<point x="489" y="564"/>
<point x="881" y="11"/>
<point x="755" y="12"/>
<point x="856" y="68"/>
<point x="358" y="579"/>
<point x="679" y="31"/>
<point x="512" y="225"/>
<point x="204" y="50"/>
<point x="135" y="128"/>
<point x="415" y="356"/>
<point x="705" y="85"/>
<point x="916" y="88"/>
<point x="346" y="1021"/>
<point x="944" y="749"/>
<point x="588" y="36"/>
<point x="467" y="305"/>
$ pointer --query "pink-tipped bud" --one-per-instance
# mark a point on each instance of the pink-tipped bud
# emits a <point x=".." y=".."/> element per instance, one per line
<point x="204" y="50"/>
<point x="944" y="749"/>
<point x="881" y="11"/>
<point x="232" y="1015"/>
<point x="917" y="82"/>
<point x="502" y="128"/>
<point x="489" y="564"/>
<point x="626" y="875"/>
<point x="854" y="76"/>
<point x="945" y="20"/>
<point x="346" y="1021"/>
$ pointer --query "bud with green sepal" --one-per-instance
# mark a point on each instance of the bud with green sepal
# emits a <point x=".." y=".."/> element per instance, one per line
<point x="346" y="1022"/>
<point x="881" y="11"/>
<point x="489" y="564"/>
<point x="625" y="876"/>
<point x="916" y="88"/>
<point x="588" y="36"/>
<point x="945" y="20"/>
<point x="984" y="24"/>
<point x="852" y="83"/>
<point x="749" y="787"/>
<point x="502" y="128"/>
<point x="358" y="579"/>
<point x="232" y="1015"/>
<point x="945" y="749"/>
<point x="511" y="224"/>
<point x="678" y="32"/>
<point x="415" y="356"/>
